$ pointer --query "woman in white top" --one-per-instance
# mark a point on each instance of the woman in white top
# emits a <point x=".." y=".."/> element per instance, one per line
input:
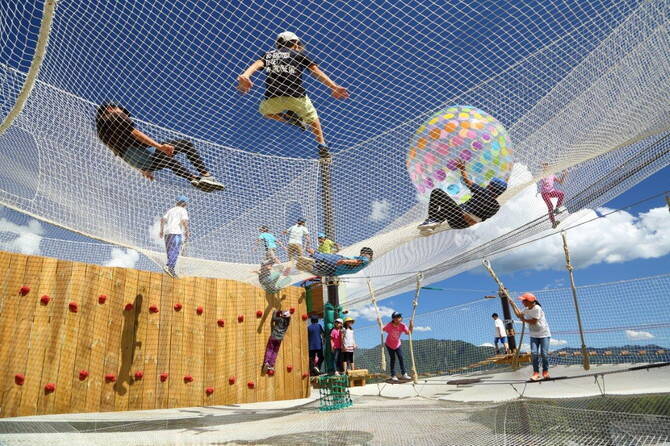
<point x="348" y="344"/>
<point x="540" y="335"/>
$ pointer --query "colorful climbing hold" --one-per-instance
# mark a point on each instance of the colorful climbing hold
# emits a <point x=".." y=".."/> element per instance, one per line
<point x="289" y="368"/>
<point x="304" y="317"/>
<point x="139" y="374"/>
<point x="221" y="323"/>
<point x="251" y="384"/>
<point x="291" y="310"/>
<point x="73" y="307"/>
<point x="178" y="306"/>
<point x="24" y="290"/>
<point x="128" y="307"/>
<point x="259" y="313"/>
<point x="271" y="372"/>
<point x="110" y="378"/>
<point x="102" y="299"/>
<point x="19" y="379"/>
<point x="304" y="375"/>
<point x="153" y="309"/>
<point x="232" y="380"/>
<point x="199" y="310"/>
<point x="50" y="387"/>
<point x="240" y="318"/>
<point x="83" y="374"/>
<point x="44" y="300"/>
<point x="188" y="378"/>
<point x="163" y="377"/>
<point x="209" y="390"/>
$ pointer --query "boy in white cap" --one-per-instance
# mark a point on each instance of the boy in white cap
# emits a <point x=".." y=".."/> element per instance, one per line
<point x="285" y="97"/>
<point x="175" y="230"/>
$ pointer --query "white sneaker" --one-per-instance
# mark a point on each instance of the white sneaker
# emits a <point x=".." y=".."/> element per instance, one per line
<point x="406" y="376"/>
<point x="337" y="373"/>
<point x="209" y="184"/>
<point x="394" y="378"/>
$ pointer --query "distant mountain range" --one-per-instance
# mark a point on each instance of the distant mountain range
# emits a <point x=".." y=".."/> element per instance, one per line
<point x="439" y="356"/>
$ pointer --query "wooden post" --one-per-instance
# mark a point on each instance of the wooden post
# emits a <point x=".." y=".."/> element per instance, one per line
<point x="585" y="353"/>
<point x="415" y="303"/>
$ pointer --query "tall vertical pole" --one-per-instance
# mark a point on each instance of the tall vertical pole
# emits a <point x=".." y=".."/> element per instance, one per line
<point x="332" y="307"/>
<point x="509" y="322"/>
<point x="585" y="354"/>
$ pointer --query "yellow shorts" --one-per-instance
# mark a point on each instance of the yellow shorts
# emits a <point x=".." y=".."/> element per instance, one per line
<point x="303" y="107"/>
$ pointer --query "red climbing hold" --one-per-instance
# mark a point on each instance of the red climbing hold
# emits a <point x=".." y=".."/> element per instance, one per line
<point x="128" y="307"/>
<point x="19" y="379"/>
<point x="221" y="322"/>
<point x="209" y="390"/>
<point x="24" y="290"/>
<point x="110" y="377"/>
<point x="291" y="310"/>
<point x="102" y="299"/>
<point x="83" y="374"/>
<point x="50" y="387"/>
<point x="304" y="375"/>
<point x="44" y="299"/>
<point x="139" y="374"/>
<point x="240" y="318"/>
<point x="251" y="384"/>
<point x="259" y="313"/>
<point x="153" y="309"/>
<point x="271" y="372"/>
<point x="177" y="306"/>
<point x="304" y="317"/>
<point x="73" y="307"/>
<point x="199" y="310"/>
<point x="164" y="377"/>
<point x="231" y="380"/>
<point x="289" y="368"/>
<point x="188" y="378"/>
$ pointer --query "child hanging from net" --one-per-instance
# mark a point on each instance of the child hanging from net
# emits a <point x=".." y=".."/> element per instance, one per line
<point x="273" y="280"/>
<point x="547" y="186"/>
<point x="321" y="264"/>
<point x="279" y="324"/>
<point x="285" y="97"/>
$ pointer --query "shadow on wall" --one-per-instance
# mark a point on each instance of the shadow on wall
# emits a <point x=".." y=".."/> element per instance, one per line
<point x="129" y="343"/>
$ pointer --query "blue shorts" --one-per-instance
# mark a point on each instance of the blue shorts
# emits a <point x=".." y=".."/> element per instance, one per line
<point x="502" y="340"/>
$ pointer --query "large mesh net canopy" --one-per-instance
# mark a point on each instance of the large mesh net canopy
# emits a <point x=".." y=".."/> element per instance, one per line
<point x="571" y="85"/>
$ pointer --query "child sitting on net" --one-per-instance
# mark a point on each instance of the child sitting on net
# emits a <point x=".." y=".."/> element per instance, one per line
<point x="321" y="264"/>
<point x="482" y="205"/>
<point x="280" y="322"/>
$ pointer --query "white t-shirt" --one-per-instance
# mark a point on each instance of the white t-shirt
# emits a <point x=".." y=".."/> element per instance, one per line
<point x="296" y="233"/>
<point x="541" y="328"/>
<point x="173" y="219"/>
<point x="348" y="342"/>
<point x="499" y="329"/>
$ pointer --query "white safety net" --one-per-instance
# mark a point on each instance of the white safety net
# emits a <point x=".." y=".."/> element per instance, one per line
<point x="578" y="86"/>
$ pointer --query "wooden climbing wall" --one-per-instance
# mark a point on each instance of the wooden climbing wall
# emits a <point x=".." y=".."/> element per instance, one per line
<point x="116" y="339"/>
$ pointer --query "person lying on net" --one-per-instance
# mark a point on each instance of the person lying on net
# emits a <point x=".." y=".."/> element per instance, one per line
<point x="482" y="205"/>
<point x="118" y="132"/>
<point x="285" y="97"/>
<point x="321" y="264"/>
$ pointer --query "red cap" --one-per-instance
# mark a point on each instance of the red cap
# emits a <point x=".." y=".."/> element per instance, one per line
<point x="530" y="297"/>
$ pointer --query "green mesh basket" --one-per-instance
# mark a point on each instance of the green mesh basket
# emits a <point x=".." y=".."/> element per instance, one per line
<point x="334" y="392"/>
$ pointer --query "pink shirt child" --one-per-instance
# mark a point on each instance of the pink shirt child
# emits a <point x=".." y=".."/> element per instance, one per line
<point x="547" y="184"/>
<point x="394" y="333"/>
<point x="336" y="338"/>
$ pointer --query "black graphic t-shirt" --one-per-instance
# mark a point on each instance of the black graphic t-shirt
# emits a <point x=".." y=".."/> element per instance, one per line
<point x="284" y="73"/>
<point x="115" y="130"/>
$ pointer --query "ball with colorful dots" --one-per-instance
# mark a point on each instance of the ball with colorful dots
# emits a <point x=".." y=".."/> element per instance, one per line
<point x="458" y="132"/>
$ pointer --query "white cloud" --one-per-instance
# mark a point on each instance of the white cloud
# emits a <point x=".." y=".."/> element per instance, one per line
<point x="616" y="238"/>
<point x="638" y="335"/>
<point x="123" y="259"/>
<point x="557" y="342"/>
<point x="420" y="328"/>
<point x="486" y="344"/>
<point x="368" y="312"/>
<point x="381" y="210"/>
<point x="24" y="238"/>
